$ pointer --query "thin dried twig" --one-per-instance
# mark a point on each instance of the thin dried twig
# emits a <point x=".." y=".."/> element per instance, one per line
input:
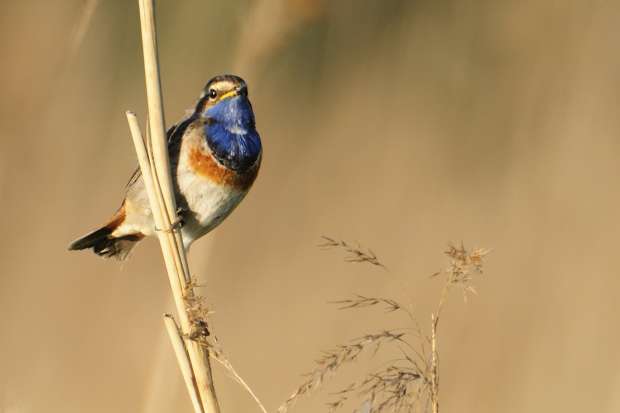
<point x="218" y="353"/>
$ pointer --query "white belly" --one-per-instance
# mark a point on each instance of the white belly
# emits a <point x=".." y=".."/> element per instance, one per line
<point x="208" y="202"/>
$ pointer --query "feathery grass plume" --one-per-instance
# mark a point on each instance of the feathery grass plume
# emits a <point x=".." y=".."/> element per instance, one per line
<point x="464" y="265"/>
<point x="409" y="383"/>
<point x="393" y="388"/>
<point x="360" y="301"/>
<point x="356" y="254"/>
<point x="329" y="363"/>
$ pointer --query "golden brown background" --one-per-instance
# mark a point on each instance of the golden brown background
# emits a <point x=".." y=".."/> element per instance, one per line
<point x="400" y="124"/>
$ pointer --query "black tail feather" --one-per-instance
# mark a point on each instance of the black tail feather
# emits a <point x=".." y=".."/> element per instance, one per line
<point x="91" y="240"/>
<point x="104" y="244"/>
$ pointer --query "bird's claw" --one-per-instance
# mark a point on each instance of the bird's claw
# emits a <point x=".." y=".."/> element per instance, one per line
<point x="178" y="223"/>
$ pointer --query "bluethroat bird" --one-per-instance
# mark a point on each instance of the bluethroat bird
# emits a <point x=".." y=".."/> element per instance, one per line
<point x="215" y="154"/>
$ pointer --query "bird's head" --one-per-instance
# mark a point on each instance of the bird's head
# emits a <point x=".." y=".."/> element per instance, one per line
<point x="229" y="128"/>
<point x="225" y="101"/>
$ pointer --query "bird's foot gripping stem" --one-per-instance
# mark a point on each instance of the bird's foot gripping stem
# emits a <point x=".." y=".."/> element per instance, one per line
<point x="178" y="223"/>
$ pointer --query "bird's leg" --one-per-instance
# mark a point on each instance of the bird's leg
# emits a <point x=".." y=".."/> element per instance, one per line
<point x="179" y="221"/>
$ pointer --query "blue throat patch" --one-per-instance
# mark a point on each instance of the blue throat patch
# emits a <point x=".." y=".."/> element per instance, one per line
<point x="231" y="133"/>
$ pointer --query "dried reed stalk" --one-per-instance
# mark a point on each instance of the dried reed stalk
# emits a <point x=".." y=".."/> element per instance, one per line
<point x="155" y="168"/>
<point x="434" y="387"/>
<point x="183" y="360"/>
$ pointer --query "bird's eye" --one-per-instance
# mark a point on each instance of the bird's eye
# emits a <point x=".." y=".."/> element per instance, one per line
<point x="212" y="93"/>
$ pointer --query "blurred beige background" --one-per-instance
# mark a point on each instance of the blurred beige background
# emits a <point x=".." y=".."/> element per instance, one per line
<point x="399" y="124"/>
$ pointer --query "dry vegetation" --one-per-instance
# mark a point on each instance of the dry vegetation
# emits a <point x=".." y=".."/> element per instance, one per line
<point x="355" y="254"/>
<point x="409" y="383"/>
<point x="198" y="312"/>
<point x="496" y="107"/>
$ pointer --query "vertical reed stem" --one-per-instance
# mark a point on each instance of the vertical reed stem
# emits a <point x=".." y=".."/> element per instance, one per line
<point x="183" y="359"/>
<point x="158" y="182"/>
<point x="434" y="365"/>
